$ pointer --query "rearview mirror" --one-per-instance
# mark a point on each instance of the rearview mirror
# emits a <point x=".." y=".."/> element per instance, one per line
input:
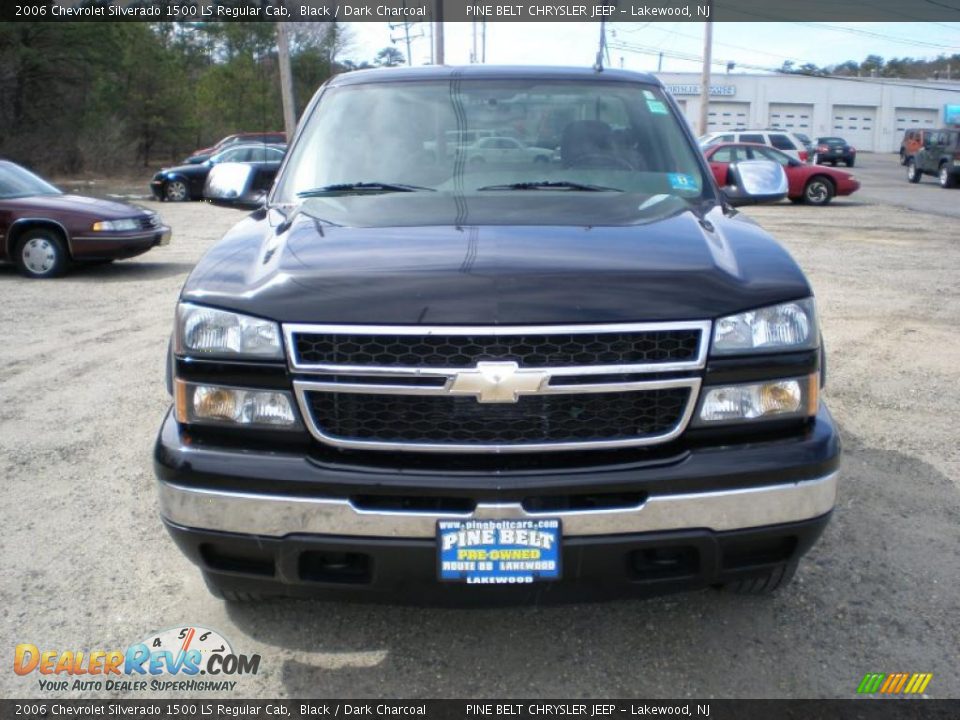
<point x="756" y="181"/>
<point x="231" y="185"/>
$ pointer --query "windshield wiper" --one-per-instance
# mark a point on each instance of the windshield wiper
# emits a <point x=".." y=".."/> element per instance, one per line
<point x="371" y="187"/>
<point x="551" y="185"/>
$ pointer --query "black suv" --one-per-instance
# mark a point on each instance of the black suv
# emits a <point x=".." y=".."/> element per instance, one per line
<point x="939" y="156"/>
<point x="834" y="150"/>
<point x="406" y="371"/>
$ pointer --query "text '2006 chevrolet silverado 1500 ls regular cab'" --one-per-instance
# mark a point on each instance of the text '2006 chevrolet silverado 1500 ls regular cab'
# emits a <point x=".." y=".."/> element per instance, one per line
<point x="413" y="369"/>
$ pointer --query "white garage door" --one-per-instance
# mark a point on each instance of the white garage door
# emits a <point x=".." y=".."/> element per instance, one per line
<point x="907" y="118"/>
<point x="794" y="117"/>
<point x="916" y="118"/>
<point x="855" y="123"/>
<point x="727" y="115"/>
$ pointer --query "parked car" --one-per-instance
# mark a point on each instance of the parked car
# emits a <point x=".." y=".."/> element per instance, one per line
<point x="939" y="156"/>
<point x="185" y="182"/>
<point x="834" y="150"/>
<point x="812" y="184"/>
<point x="782" y="140"/>
<point x="505" y="150"/>
<point x="410" y="375"/>
<point x="43" y="230"/>
<point x="912" y="141"/>
<point x="455" y="140"/>
<point x="269" y="138"/>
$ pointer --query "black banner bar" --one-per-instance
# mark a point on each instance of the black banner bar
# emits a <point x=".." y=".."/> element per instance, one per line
<point x="212" y="709"/>
<point x="488" y="10"/>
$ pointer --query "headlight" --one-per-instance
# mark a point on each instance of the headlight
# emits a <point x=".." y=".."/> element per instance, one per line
<point x="210" y="332"/>
<point x="241" y="407"/>
<point x="788" y="326"/>
<point x="772" y="399"/>
<point x="116" y="225"/>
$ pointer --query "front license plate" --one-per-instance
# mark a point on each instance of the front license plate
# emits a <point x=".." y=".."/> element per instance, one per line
<point x="498" y="552"/>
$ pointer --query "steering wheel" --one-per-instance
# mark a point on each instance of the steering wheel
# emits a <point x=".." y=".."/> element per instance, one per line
<point x="601" y="160"/>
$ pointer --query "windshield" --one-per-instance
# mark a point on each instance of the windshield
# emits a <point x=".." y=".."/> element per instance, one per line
<point x="17" y="182"/>
<point x="481" y="138"/>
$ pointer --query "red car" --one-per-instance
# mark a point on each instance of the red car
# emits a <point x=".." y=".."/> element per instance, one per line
<point x="43" y="230"/>
<point x="199" y="156"/>
<point x="812" y="184"/>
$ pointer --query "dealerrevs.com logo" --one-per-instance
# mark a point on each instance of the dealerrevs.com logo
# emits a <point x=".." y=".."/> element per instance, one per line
<point x="172" y="660"/>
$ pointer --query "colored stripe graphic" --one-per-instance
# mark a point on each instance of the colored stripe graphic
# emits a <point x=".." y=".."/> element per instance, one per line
<point x="894" y="683"/>
<point x="870" y="683"/>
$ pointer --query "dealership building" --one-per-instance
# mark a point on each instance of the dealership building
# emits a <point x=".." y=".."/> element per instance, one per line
<point x="870" y="113"/>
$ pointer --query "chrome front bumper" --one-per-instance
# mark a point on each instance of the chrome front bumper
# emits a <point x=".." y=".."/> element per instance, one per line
<point x="277" y="516"/>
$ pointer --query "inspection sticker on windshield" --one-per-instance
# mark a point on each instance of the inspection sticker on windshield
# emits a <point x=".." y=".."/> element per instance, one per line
<point x="498" y="552"/>
<point x="682" y="181"/>
<point x="655" y="106"/>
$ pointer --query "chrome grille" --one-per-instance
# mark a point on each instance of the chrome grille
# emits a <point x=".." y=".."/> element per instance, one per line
<point x="529" y="350"/>
<point x="496" y="389"/>
<point x="532" y="419"/>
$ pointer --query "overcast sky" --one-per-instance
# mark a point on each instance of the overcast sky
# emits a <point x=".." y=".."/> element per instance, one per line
<point x="757" y="44"/>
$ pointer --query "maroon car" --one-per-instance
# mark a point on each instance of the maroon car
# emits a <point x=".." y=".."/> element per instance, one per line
<point x="43" y="230"/>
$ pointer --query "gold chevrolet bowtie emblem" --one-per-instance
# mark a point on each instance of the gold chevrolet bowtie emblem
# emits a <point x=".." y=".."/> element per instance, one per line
<point x="498" y="382"/>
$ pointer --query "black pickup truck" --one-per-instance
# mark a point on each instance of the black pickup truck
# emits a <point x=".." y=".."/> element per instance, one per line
<point x="417" y="368"/>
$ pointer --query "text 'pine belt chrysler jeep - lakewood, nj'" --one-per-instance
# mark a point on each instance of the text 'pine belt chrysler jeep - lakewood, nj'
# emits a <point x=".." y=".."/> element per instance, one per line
<point x="570" y="372"/>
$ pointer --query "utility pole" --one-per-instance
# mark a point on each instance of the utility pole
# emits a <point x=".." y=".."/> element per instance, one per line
<point x="474" y="56"/>
<point x="286" y="81"/>
<point x="483" y="41"/>
<point x="705" y="75"/>
<point x="438" y="34"/>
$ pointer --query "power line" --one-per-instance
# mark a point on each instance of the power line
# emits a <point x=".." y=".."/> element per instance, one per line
<point x="691" y="57"/>
<point x="877" y="36"/>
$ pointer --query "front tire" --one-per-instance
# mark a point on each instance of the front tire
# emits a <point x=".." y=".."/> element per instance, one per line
<point x="913" y="172"/>
<point x="41" y="254"/>
<point x="947" y="179"/>
<point x="903" y="157"/>
<point x="818" y="191"/>
<point x="176" y="191"/>
<point x="850" y="162"/>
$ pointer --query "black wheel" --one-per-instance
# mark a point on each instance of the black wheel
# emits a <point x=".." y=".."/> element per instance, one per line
<point x="763" y="584"/>
<point x="913" y="172"/>
<point x="176" y="191"/>
<point x="41" y="254"/>
<point x="947" y="178"/>
<point x="833" y="163"/>
<point x="903" y="157"/>
<point x="851" y="161"/>
<point x="818" y="191"/>
<point x="231" y="596"/>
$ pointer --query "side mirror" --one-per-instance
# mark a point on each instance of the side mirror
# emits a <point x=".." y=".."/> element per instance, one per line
<point x="231" y="185"/>
<point x="756" y="181"/>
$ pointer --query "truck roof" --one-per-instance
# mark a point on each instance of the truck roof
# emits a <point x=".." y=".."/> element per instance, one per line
<point x="430" y="72"/>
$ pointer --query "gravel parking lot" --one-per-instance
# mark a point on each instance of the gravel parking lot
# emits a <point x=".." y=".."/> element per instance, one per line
<point x="88" y="565"/>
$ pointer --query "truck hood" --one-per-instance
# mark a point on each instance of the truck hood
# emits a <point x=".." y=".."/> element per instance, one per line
<point x="493" y="270"/>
